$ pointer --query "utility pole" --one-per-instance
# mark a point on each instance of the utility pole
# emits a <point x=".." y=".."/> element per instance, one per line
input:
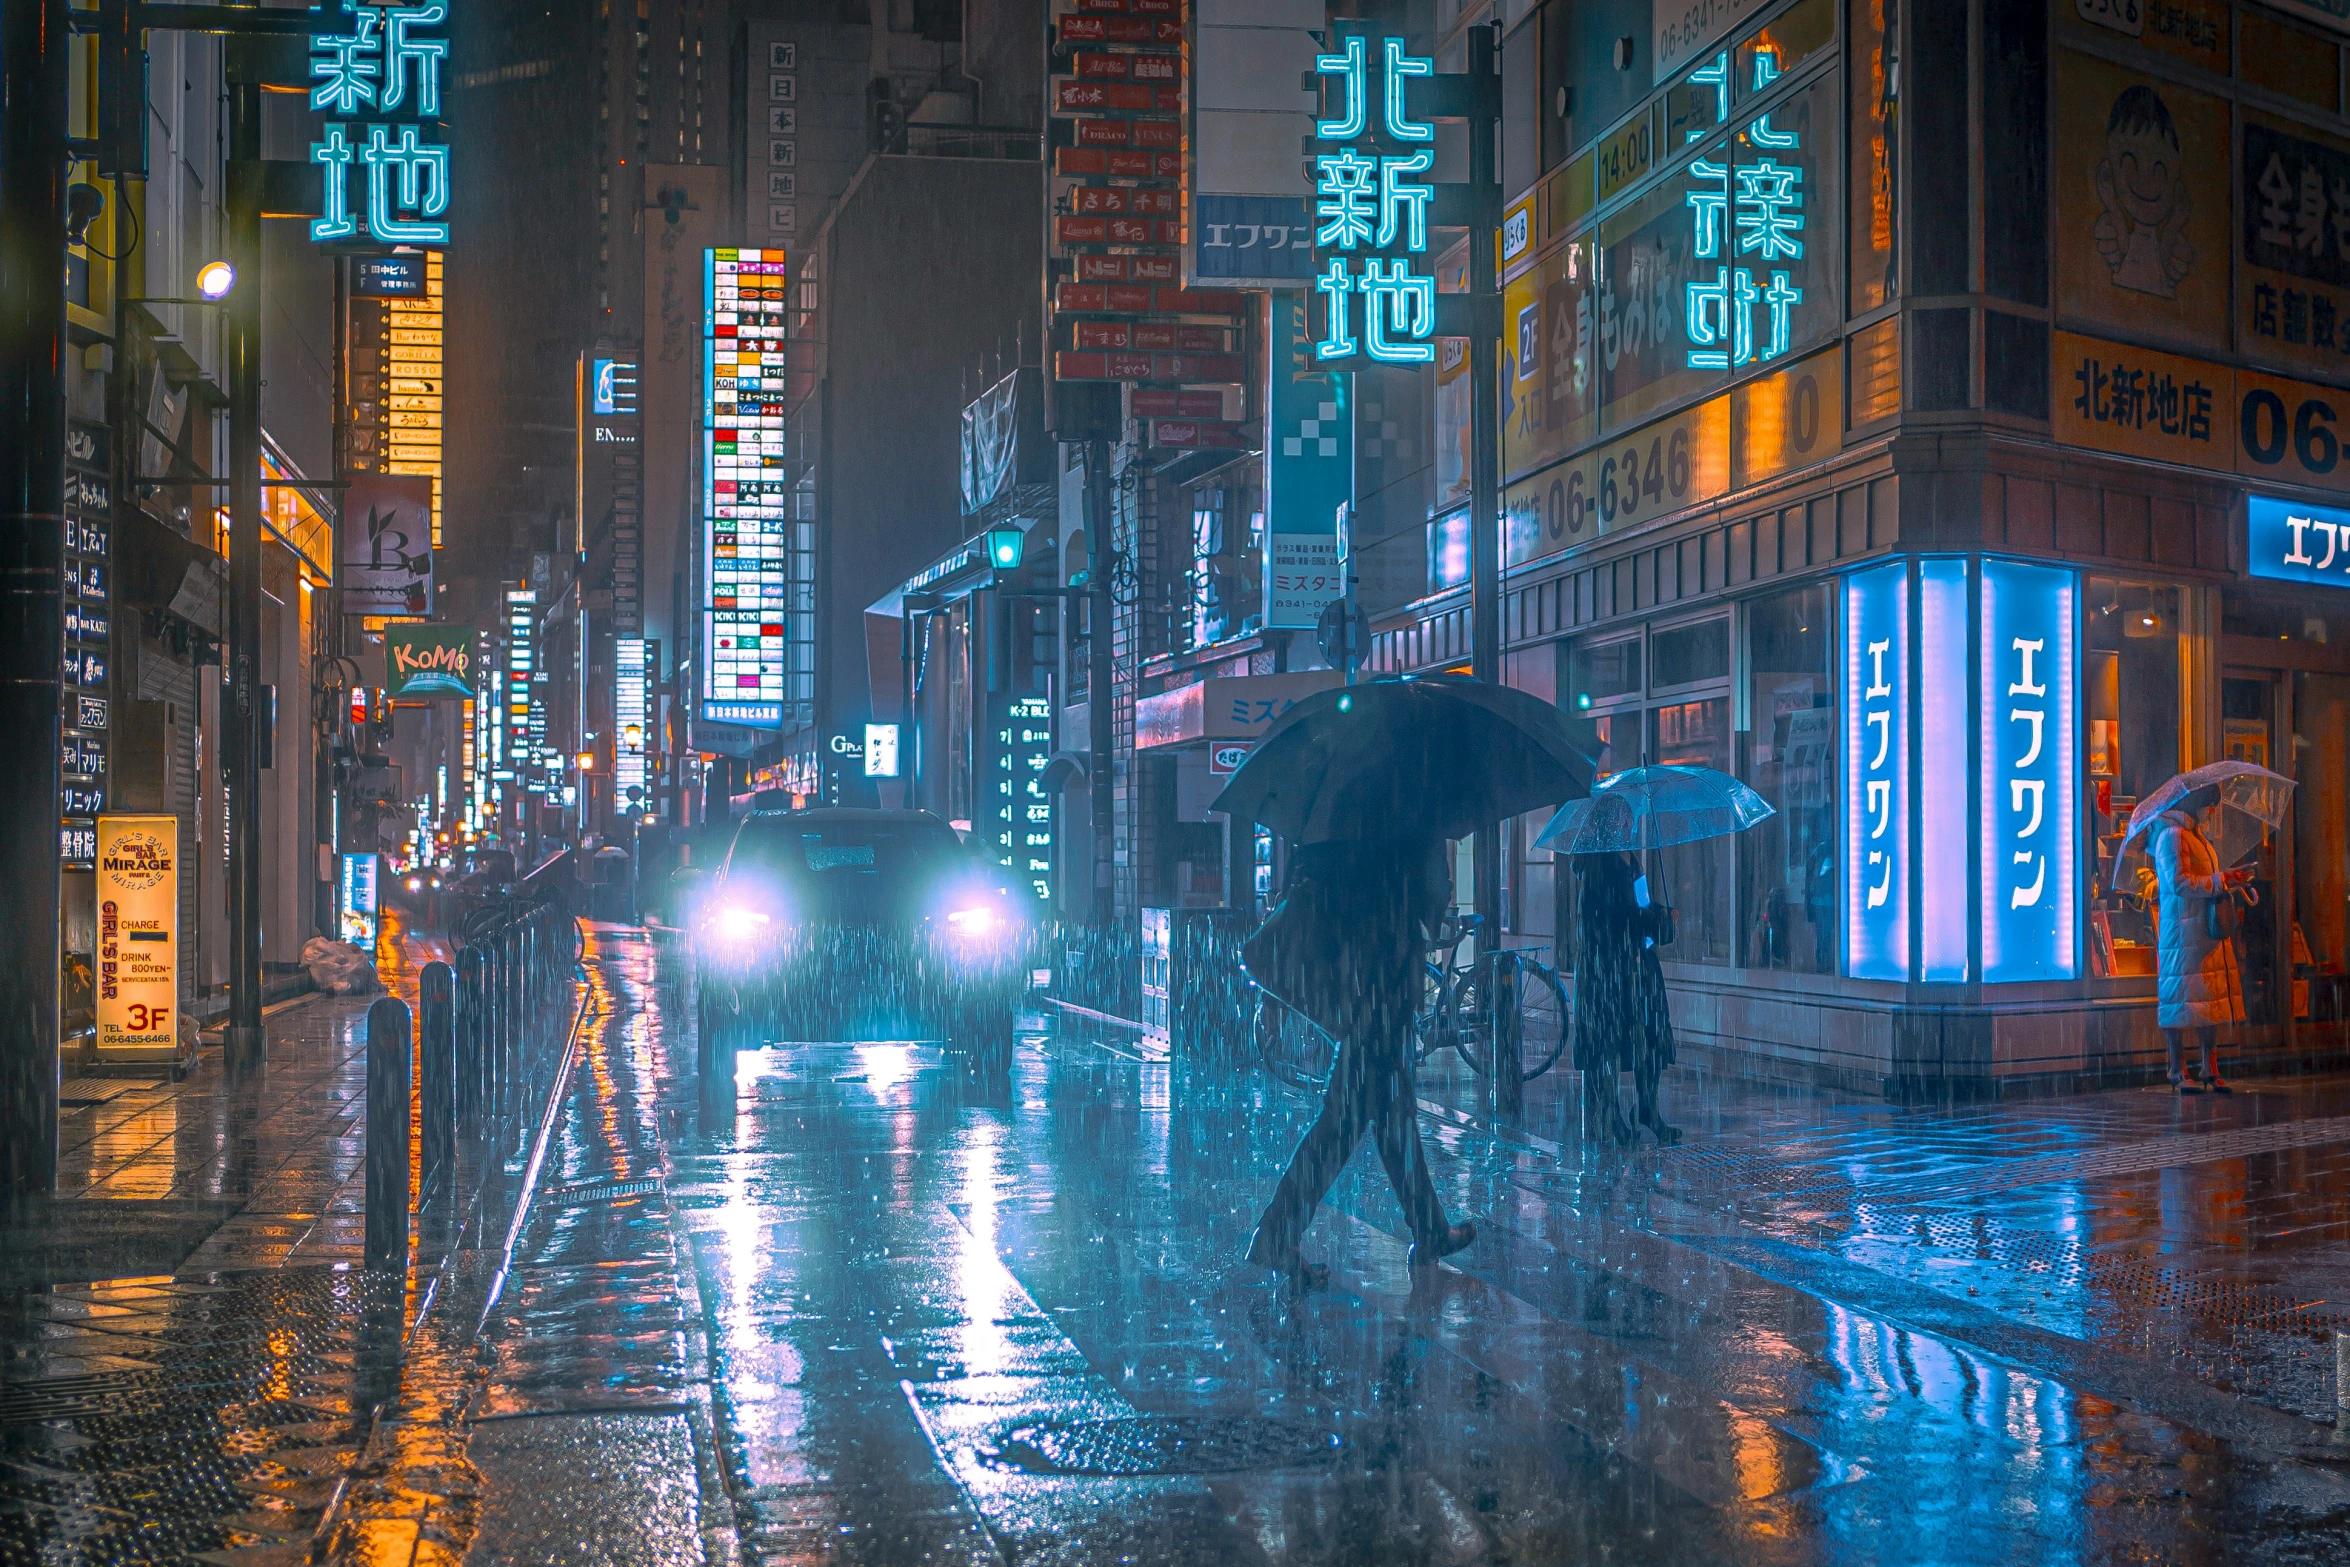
<point x="1484" y="199"/>
<point x="243" y="1042"/>
<point x="1098" y="676"/>
<point x="33" y="125"/>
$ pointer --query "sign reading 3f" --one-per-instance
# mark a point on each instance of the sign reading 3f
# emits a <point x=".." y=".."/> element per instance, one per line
<point x="381" y="85"/>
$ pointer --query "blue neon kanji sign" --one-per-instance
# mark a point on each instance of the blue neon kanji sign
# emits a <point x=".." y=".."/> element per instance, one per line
<point x="382" y="180"/>
<point x="1371" y="212"/>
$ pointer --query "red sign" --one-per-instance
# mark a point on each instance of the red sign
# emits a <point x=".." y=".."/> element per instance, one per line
<point x="1080" y="230"/>
<point x="1112" y="67"/>
<point x="1158" y="336"/>
<point x="1119" y="30"/>
<point x="1119" y="198"/>
<point x="1225" y="757"/>
<point x="1125" y="269"/>
<point x="1133" y="7"/>
<point x="1177" y="405"/>
<point x="1118" y="164"/>
<point x="1132" y="97"/>
<point x="1131" y="366"/>
<point x="1203" y="432"/>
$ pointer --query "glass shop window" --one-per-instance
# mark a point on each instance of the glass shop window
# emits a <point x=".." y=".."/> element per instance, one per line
<point x="1603" y="673"/>
<point x="2130" y="676"/>
<point x="1694" y="877"/>
<point x="1787" y="865"/>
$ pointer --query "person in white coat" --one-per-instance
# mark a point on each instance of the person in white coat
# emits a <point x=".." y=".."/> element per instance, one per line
<point x="2200" y="989"/>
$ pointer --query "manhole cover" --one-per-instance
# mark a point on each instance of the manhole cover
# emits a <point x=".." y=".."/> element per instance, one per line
<point x="1156" y="1445"/>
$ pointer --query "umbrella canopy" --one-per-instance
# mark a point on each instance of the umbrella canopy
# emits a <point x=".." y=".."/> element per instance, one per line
<point x="1654" y="807"/>
<point x="1416" y="757"/>
<point x="2241" y="801"/>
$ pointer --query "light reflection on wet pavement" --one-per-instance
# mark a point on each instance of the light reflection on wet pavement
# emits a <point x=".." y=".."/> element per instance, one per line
<point x="854" y="1305"/>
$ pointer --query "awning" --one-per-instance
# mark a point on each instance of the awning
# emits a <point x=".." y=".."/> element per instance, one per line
<point x="1234" y="707"/>
<point x="1061" y="769"/>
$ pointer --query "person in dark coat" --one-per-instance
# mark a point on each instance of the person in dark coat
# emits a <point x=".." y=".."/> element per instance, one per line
<point x="1623" y="1021"/>
<point x="1362" y="916"/>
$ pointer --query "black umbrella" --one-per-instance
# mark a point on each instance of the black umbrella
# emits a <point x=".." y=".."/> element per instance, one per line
<point x="1415" y="757"/>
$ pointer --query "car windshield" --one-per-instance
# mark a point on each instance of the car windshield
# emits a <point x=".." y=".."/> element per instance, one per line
<point x="800" y="851"/>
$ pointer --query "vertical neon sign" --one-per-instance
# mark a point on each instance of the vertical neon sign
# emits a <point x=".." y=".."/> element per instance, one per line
<point x="1369" y="202"/>
<point x="746" y="501"/>
<point x="2029" y="817"/>
<point x="1876" y="773"/>
<point x="1942" y="770"/>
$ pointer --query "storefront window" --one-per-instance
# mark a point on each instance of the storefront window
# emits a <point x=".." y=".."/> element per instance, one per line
<point x="2130" y="675"/>
<point x="1694" y="877"/>
<point x="1604" y="672"/>
<point x="1787" y="865"/>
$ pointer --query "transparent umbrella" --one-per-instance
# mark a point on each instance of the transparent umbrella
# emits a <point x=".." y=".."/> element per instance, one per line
<point x="2239" y="803"/>
<point x="1653" y="808"/>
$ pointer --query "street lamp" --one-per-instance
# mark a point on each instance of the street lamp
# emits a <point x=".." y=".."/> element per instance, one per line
<point x="1004" y="547"/>
<point x="215" y="278"/>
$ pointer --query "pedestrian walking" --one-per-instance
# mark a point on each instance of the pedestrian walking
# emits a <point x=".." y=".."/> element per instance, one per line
<point x="1346" y="948"/>
<point x="2200" y="990"/>
<point x="1623" y="1021"/>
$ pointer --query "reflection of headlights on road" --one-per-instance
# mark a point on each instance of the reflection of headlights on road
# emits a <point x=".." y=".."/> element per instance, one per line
<point x="738" y="924"/>
<point x="975" y="923"/>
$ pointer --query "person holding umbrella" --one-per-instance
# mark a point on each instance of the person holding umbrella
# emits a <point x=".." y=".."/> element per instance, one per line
<point x="1370" y="783"/>
<point x="2199" y="988"/>
<point x="1623" y="1019"/>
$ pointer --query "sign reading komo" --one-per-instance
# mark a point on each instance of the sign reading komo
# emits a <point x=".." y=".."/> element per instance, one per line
<point x="380" y="85"/>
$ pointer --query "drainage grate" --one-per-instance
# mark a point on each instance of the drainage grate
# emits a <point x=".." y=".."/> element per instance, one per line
<point x="600" y="1192"/>
<point x="95" y="1090"/>
<point x="1161" y="1445"/>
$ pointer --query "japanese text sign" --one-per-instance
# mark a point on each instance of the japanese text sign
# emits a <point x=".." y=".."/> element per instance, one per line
<point x="2029" y="757"/>
<point x="1876" y="773"/>
<point x="2292" y="541"/>
<point x="137" y="956"/>
<point x="1371" y="208"/>
<point x="380" y="85"/>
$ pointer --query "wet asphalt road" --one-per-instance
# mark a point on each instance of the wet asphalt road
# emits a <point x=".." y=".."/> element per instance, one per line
<point x="893" y="1314"/>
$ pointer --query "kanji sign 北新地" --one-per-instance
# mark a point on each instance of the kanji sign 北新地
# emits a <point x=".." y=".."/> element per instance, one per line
<point x="1371" y="209"/>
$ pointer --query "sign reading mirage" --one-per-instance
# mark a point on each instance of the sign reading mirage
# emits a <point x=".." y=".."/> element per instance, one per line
<point x="1369" y="205"/>
<point x="381" y="84"/>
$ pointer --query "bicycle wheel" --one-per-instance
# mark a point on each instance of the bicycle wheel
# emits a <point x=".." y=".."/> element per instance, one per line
<point x="1545" y="1018"/>
<point x="1437" y="1025"/>
<point x="1510" y="994"/>
<point x="1292" y="1047"/>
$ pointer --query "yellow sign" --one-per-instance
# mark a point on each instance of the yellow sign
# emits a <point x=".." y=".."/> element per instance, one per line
<point x="2142" y="202"/>
<point x="138" y="937"/>
<point x="1788" y="419"/>
<point x="1676" y="462"/>
<point x="2137" y="402"/>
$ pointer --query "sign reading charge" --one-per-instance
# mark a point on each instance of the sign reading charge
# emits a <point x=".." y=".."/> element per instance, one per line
<point x="138" y="936"/>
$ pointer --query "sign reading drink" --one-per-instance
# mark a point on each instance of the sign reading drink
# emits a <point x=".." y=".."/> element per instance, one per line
<point x="138" y="937"/>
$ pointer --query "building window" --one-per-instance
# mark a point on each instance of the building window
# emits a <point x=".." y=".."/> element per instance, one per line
<point x="2130" y="675"/>
<point x="1787" y="865"/>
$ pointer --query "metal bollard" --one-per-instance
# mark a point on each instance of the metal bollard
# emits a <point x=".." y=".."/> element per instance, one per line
<point x="436" y="1057"/>
<point x="2342" y="1387"/>
<point x="390" y="1046"/>
<point x="470" y="1066"/>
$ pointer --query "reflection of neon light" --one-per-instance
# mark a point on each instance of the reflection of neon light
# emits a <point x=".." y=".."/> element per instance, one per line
<point x="1942" y="769"/>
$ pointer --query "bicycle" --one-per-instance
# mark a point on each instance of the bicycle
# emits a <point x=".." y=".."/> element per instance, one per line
<point x="1467" y="1002"/>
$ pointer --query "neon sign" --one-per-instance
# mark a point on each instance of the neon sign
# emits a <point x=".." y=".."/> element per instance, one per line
<point x="2292" y="541"/>
<point x="1876" y="773"/>
<point x="1373" y="213"/>
<point x="746" y="501"/>
<point x="2029" y="820"/>
<point x="382" y="84"/>
<point x="630" y="713"/>
<point x="1744" y="210"/>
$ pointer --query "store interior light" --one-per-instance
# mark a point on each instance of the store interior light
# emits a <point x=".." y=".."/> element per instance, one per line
<point x="215" y="278"/>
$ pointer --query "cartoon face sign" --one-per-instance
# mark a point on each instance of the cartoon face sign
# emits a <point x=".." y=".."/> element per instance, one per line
<point x="2143" y="197"/>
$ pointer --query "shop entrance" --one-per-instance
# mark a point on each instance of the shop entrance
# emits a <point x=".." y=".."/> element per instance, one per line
<point x="2294" y="944"/>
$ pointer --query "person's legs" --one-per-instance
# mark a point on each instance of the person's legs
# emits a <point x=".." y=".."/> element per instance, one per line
<point x="2178" y="1079"/>
<point x="2211" y="1077"/>
<point x="1646" y="1079"/>
<point x="1603" y="1103"/>
<point x="1321" y="1154"/>
<point x="1395" y="1127"/>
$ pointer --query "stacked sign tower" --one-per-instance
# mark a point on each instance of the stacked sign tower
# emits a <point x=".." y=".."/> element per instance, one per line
<point x="746" y="492"/>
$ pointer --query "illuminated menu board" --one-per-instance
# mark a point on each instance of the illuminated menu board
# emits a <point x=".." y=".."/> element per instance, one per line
<point x="745" y="507"/>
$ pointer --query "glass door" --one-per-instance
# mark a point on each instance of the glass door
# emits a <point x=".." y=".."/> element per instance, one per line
<point x="2248" y="724"/>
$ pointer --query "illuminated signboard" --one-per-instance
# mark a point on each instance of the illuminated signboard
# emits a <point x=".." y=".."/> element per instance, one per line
<point x="380" y="86"/>
<point x="1371" y="208"/>
<point x="2293" y="541"/>
<point x="521" y="656"/>
<point x="1876" y="773"/>
<point x="881" y="750"/>
<point x="2027" y="788"/>
<point x="746" y="506"/>
<point x="630" y="713"/>
<point x="1943" y="723"/>
<point x="612" y="386"/>
<point x="1019" y="829"/>
<point x="1749" y="219"/>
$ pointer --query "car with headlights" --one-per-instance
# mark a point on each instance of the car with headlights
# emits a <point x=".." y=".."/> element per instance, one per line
<point x="845" y="923"/>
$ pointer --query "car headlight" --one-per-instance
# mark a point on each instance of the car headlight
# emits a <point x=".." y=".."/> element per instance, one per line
<point x="736" y="923"/>
<point x="976" y="921"/>
<point x="415" y="885"/>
